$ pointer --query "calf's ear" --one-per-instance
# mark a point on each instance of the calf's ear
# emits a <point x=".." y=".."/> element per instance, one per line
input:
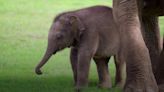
<point x="76" y="20"/>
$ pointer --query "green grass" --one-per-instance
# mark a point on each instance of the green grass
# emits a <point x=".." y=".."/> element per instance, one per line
<point x="24" y="26"/>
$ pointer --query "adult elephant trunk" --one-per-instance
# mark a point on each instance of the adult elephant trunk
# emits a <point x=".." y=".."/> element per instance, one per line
<point x="49" y="52"/>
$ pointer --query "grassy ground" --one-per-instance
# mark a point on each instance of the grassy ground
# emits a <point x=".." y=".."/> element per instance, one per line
<point x="24" y="25"/>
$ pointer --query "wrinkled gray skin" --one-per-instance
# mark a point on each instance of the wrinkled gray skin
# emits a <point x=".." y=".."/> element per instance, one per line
<point x="91" y="33"/>
<point x="160" y="71"/>
<point x="137" y="21"/>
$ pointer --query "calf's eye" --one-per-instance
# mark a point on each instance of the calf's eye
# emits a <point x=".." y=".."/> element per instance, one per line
<point x="59" y="36"/>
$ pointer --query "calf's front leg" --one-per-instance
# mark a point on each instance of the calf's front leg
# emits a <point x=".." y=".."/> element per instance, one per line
<point x="73" y="60"/>
<point x="84" y="59"/>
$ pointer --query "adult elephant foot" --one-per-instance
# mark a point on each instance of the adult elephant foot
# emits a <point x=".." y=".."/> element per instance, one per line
<point x="140" y="86"/>
<point x="140" y="77"/>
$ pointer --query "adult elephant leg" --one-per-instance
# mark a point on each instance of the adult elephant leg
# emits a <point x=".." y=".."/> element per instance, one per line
<point x="103" y="72"/>
<point x="73" y="60"/>
<point x="160" y="72"/>
<point x="140" y="77"/>
<point x="120" y="71"/>
<point x="151" y="34"/>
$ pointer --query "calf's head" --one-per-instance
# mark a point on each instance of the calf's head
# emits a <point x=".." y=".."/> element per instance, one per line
<point x="64" y="31"/>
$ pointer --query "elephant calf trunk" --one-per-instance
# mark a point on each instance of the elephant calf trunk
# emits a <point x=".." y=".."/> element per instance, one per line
<point x="47" y="55"/>
<point x="38" y="71"/>
<point x="38" y="68"/>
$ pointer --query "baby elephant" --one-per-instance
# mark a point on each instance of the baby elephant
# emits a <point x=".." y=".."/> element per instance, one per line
<point x="91" y="33"/>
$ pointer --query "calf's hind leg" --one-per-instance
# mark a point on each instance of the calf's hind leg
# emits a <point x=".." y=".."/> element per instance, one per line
<point x="103" y="73"/>
<point x="120" y="71"/>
